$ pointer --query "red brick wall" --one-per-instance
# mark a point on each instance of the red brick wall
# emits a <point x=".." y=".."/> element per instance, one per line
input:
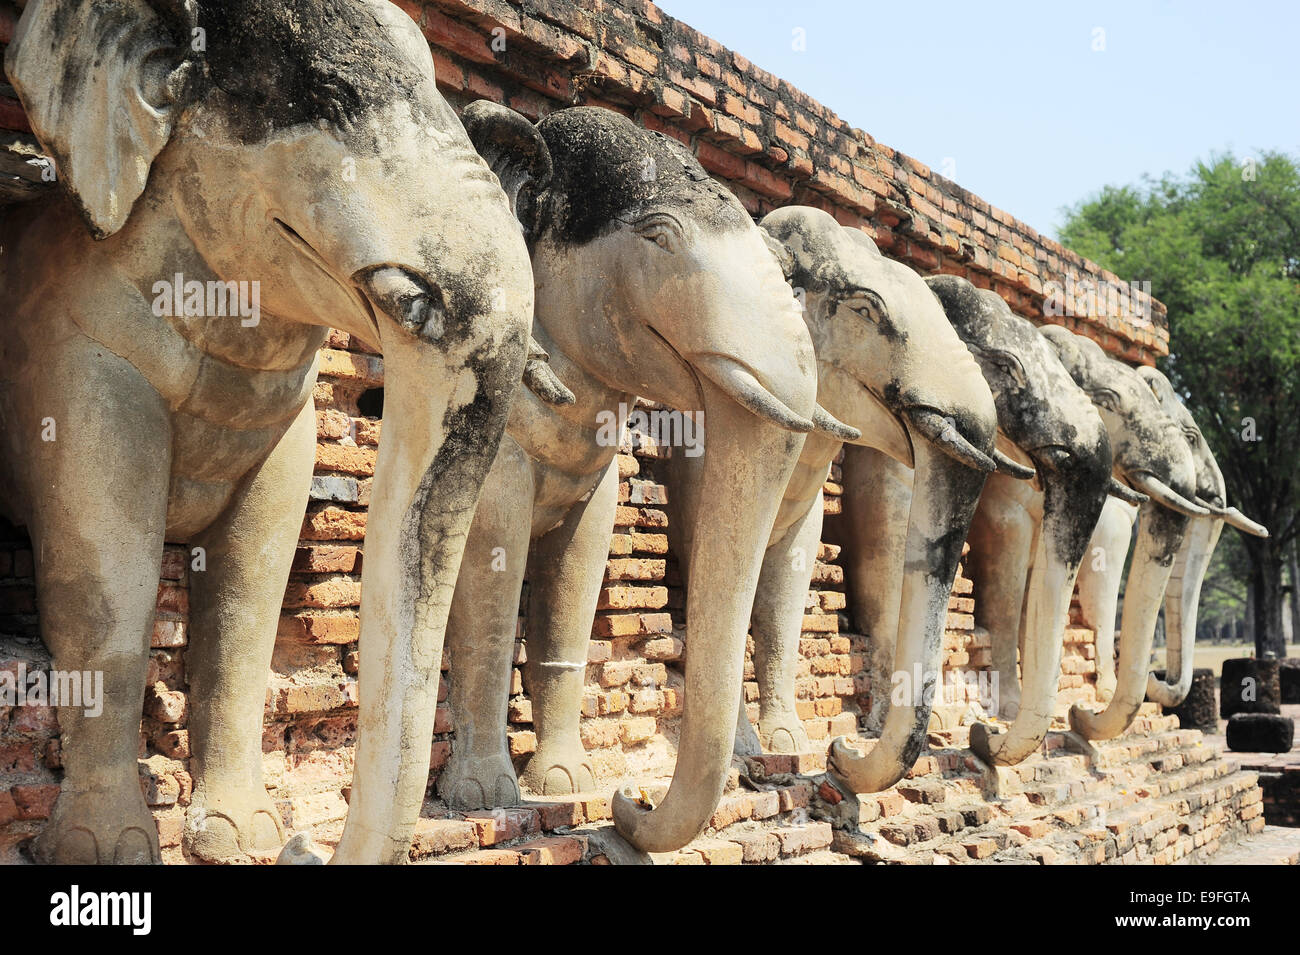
<point x="774" y="146"/>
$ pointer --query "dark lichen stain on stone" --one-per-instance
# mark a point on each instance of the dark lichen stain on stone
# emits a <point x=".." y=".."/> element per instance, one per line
<point x="456" y="473"/>
<point x="1029" y="414"/>
<point x="824" y="258"/>
<point x="607" y="168"/>
<point x="289" y="62"/>
<point x="467" y="293"/>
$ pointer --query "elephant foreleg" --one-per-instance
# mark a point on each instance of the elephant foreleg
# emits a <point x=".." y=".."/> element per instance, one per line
<point x="873" y="531"/>
<point x="98" y="520"/>
<point x="565" y="574"/>
<point x="1001" y="541"/>
<point x="1159" y="537"/>
<point x="235" y="596"/>
<point x="481" y="637"/>
<point x="777" y="624"/>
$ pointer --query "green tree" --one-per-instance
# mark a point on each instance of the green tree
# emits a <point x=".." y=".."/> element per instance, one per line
<point x="1220" y="246"/>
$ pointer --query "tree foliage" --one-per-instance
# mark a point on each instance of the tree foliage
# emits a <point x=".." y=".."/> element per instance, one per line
<point x="1220" y="246"/>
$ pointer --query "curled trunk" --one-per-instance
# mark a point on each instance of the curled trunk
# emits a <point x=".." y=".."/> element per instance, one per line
<point x="746" y="469"/>
<point x="1160" y="535"/>
<point x="1181" y="602"/>
<point x="1070" y="510"/>
<point x="943" y="503"/>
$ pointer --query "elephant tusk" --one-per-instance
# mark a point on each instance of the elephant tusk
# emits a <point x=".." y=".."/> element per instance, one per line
<point x="1013" y="468"/>
<point x="944" y="434"/>
<point x="1163" y="494"/>
<point x="739" y="383"/>
<point x="829" y="424"/>
<point x="1243" y="523"/>
<point x="542" y="380"/>
<point x="1125" y="493"/>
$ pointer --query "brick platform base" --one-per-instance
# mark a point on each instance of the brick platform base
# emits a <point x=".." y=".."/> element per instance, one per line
<point x="1158" y="794"/>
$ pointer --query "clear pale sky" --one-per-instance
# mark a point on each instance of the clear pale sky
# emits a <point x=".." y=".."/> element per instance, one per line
<point x="1012" y="94"/>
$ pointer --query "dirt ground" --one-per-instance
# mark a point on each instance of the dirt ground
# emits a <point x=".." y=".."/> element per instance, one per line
<point x="1212" y="655"/>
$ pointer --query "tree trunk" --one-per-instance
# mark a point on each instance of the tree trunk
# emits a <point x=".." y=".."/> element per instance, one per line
<point x="1266" y="579"/>
<point x="1294" y="569"/>
<point x="1248" y="620"/>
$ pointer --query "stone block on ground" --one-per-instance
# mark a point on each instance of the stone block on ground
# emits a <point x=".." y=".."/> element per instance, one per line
<point x="1260" y="733"/>
<point x="1249" y="685"/>
<point x="1289" y="679"/>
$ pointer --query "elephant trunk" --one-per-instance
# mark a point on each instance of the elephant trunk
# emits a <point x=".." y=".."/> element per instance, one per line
<point x="943" y="503"/>
<point x="1160" y="534"/>
<point x="445" y="412"/>
<point x="745" y="472"/>
<point x="1072" y="503"/>
<point x="1181" y="602"/>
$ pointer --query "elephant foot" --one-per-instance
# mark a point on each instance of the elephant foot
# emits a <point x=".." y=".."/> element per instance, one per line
<point x="560" y="770"/>
<point x="479" y="782"/>
<point x="225" y="825"/>
<point x="783" y="734"/>
<point x="100" y="827"/>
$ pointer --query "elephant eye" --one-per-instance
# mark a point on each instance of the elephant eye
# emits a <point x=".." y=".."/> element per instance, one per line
<point x="1002" y="365"/>
<point x="661" y="229"/>
<point x="868" y="305"/>
<point x="1104" y="398"/>
<point x="1013" y="370"/>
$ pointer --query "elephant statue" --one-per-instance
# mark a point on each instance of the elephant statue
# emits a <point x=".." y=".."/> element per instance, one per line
<point x="890" y="366"/>
<point x="651" y="280"/>
<point x="221" y="204"/>
<point x="1182" y="596"/>
<point x="1028" y="539"/>
<point x="1151" y="455"/>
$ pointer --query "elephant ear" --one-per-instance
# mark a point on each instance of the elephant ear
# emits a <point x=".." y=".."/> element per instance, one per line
<point x="1160" y="385"/>
<point x="1066" y="344"/>
<point x="862" y="240"/>
<point x="515" y="151"/>
<point x="784" y="257"/>
<point x="100" y="83"/>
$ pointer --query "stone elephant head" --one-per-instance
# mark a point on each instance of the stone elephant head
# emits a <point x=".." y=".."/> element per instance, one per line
<point x="1182" y="597"/>
<point x="1027" y="540"/>
<point x="890" y="366"/>
<point x="301" y="149"/>
<point x="652" y="280"/>
<point x="1151" y="455"/>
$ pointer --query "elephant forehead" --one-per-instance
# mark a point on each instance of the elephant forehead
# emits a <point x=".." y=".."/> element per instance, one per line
<point x="1042" y="363"/>
<point x="830" y="261"/>
<point x="606" y="166"/>
<point x="1130" y="385"/>
<point x="305" y="62"/>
